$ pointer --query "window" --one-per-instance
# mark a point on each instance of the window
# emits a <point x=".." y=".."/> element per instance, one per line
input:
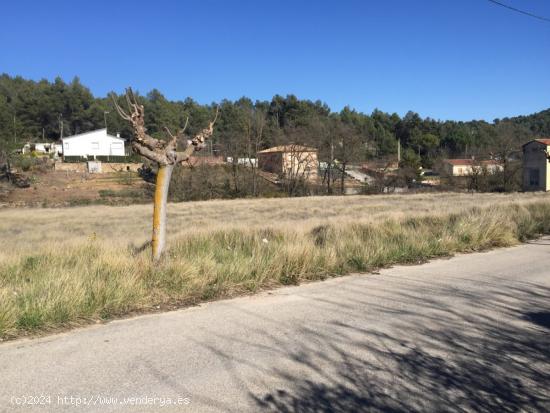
<point x="534" y="177"/>
<point x="95" y="145"/>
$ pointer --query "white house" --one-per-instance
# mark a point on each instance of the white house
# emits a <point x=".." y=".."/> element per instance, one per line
<point x="94" y="143"/>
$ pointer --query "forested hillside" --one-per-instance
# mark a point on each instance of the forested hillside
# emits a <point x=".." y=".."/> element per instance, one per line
<point x="35" y="111"/>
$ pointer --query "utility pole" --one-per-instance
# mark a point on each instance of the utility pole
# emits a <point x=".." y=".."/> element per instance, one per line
<point x="14" y="130"/>
<point x="105" y="118"/>
<point x="329" y="189"/>
<point x="398" y="151"/>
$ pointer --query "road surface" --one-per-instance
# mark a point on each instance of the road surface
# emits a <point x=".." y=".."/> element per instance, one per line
<point x="471" y="333"/>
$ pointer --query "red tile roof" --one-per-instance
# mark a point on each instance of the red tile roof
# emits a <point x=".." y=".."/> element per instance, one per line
<point x="289" y="148"/>
<point x="459" y="161"/>
<point x="469" y="162"/>
<point x="544" y="141"/>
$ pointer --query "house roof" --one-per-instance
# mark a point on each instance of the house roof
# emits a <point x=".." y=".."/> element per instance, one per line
<point x="544" y="141"/>
<point x="92" y="131"/>
<point x="470" y="162"/>
<point x="289" y="148"/>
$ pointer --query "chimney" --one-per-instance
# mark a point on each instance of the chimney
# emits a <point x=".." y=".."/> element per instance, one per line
<point x="118" y="134"/>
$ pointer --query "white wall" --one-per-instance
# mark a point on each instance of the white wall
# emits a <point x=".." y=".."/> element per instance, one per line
<point x="93" y="143"/>
<point x="40" y="147"/>
<point x="466" y="170"/>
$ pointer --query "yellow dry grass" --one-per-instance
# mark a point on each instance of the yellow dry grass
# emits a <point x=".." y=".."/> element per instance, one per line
<point x="61" y="267"/>
<point x="27" y="229"/>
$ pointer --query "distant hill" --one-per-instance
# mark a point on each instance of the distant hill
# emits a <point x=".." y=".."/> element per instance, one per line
<point x="538" y="123"/>
<point x="32" y="111"/>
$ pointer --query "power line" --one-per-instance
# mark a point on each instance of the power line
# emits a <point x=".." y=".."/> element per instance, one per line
<point x="546" y="19"/>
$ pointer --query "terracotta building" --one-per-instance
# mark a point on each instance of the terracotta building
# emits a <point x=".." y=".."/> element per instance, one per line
<point x="291" y="161"/>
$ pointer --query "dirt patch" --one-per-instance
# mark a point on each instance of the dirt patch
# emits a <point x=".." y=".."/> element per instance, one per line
<point x="64" y="188"/>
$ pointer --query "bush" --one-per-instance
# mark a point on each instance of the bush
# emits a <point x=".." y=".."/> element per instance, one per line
<point x="120" y="159"/>
<point x="30" y="162"/>
<point x="25" y="164"/>
<point x="74" y="159"/>
<point x="205" y="182"/>
<point x="108" y="159"/>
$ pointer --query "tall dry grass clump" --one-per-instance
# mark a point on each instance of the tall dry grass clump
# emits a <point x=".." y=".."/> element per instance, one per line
<point x="93" y="279"/>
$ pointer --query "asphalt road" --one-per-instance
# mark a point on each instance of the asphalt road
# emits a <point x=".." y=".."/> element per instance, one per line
<point x="467" y="334"/>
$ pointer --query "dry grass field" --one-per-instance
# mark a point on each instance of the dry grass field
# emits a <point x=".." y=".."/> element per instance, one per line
<point x="69" y="266"/>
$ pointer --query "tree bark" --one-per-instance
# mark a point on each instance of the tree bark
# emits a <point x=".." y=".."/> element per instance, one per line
<point x="164" y="175"/>
<point x="165" y="154"/>
<point x="342" y="178"/>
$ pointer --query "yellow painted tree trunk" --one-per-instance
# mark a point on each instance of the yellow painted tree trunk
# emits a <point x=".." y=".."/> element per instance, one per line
<point x="158" y="243"/>
<point x="165" y="154"/>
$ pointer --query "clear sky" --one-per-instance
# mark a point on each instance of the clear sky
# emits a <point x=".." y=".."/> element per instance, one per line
<point x="461" y="59"/>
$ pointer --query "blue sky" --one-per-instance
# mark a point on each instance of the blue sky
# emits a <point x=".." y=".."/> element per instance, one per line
<point x="461" y="59"/>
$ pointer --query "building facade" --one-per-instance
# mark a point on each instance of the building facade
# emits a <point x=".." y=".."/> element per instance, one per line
<point x="536" y="165"/>
<point x="290" y="161"/>
<point x="465" y="167"/>
<point x="94" y="143"/>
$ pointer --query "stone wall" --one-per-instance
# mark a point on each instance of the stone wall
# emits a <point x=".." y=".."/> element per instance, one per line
<point x="71" y="167"/>
<point x="117" y="167"/>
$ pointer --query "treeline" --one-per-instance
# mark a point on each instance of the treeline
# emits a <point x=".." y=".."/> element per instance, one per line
<point x="36" y="111"/>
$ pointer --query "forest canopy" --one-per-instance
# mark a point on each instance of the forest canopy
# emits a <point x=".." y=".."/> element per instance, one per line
<point x="33" y="111"/>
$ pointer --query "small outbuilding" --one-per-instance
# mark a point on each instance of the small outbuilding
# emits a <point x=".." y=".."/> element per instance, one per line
<point x="94" y="143"/>
<point x="47" y="148"/>
<point x="536" y="165"/>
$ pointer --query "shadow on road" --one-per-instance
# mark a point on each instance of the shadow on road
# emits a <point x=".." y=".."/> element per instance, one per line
<point x="488" y="353"/>
<point x="541" y="318"/>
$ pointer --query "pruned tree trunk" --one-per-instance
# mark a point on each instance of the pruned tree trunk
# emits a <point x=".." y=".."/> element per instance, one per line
<point x="165" y="155"/>
<point x="162" y="185"/>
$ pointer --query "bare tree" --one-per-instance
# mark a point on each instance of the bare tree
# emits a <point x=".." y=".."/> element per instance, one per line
<point x="507" y="151"/>
<point x="323" y="130"/>
<point x="5" y="167"/>
<point x="256" y="123"/>
<point x="478" y="177"/>
<point x="299" y="169"/>
<point x="165" y="155"/>
<point x="349" y="148"/>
